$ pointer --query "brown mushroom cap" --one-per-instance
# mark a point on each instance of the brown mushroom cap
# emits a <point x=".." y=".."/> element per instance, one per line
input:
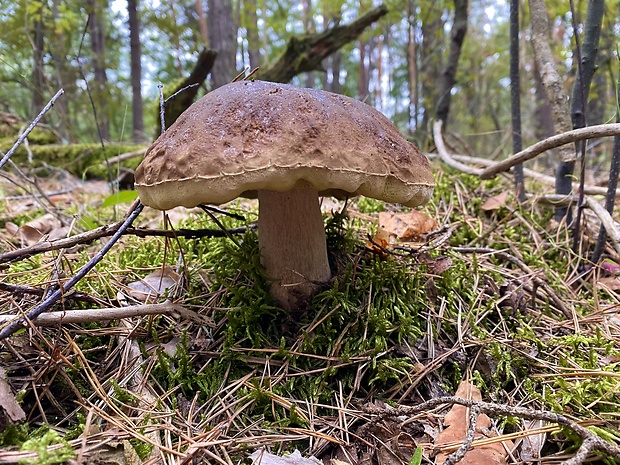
<point x="251" y="135"/>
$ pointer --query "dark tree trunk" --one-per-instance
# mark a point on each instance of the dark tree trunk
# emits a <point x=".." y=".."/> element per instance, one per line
<point x="412" y="66"/>
<point x="432" y="40"/>
<point x="612" y="186"/>
<point x="136" y="71"/>
<point x="515" y="97"/>
<point x="447" y="78"/>
<point x="97" y="42"/>
<point x="581" y="90"/>
<point x="222" y="39"/>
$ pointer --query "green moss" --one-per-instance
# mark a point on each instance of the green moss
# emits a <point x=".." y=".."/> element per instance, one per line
<point x="81" y="160"/>
<point x="40" y="444"/>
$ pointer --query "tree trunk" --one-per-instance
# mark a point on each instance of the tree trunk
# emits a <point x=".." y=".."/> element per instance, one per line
<point x="447" y="78"/>
<point x="251" y="26"/>
<point x="97" y="42"/>
<point x="38" y="72"/>
<point x="556" y="96"/>
<point x="202" y="23"/>
<point x="362" y="71"/>
<point x="223" y="39"/>
<point x="581" y="90"/>
<point x="309" y="28"/>
<point x="412" y="66"/>
<point x="515" y="97"/>
<point x="432" y="41"/>
<point x="136" y="71"/>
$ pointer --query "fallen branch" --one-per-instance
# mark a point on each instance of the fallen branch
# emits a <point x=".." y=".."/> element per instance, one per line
<point x="106" y="231"/>
<point x="590" y="132"/>
<point x="545" y="178"/>
<point x="113" y="313"/>
<point x="308" y="52"/>
<point x="445" y="157"/>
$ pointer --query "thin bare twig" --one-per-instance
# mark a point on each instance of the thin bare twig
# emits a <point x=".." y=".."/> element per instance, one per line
<point x="21" y="139"/>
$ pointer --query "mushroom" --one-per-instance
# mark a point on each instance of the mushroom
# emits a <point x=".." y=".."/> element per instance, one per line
<point x="286" y="146"/>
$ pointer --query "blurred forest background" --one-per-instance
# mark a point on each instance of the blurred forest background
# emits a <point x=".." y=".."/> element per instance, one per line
<point x="121" y="50"/>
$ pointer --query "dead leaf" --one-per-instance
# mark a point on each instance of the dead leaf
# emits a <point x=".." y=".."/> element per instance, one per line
<point x="495" y="202"/>
<point x="154" y="284"/>
<point x="380" y="241"/>
<point x="9" y="404"/>
<point x="32" y="232"/>
<point x="407" y="227"/>
<point x="262" y="457"/>
<point x="456" y="422"/>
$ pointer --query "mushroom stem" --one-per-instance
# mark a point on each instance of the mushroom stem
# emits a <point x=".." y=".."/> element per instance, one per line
<point x="293" y="248"/>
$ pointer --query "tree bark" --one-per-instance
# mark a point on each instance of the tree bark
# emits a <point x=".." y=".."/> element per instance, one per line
<point x="186" y="94"/>
<point x="136" y="71"/>
<point x="308" y="52"/>
<point x="447" y="78"/>
<point x="202" y="23"/>
<point x="97" y="42"/>
<point x="38" y="73"/>
<point x="412" y="66"/>
<point x="251" y="26"/>
<point x="581" y="90"/>
<point x="432" y="40"/>
<point x="222" y="39"/>
<point x="515" y="98"/>
<point x="556" y="96"/>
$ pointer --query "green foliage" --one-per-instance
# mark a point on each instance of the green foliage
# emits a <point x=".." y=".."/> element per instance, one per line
<point x="40" y="443"/>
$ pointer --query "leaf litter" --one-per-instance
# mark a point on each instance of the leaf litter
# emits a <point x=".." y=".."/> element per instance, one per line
<point x="213" y="393"/>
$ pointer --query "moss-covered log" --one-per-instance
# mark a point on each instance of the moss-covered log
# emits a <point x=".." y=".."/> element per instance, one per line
<point x="81" y="160"/>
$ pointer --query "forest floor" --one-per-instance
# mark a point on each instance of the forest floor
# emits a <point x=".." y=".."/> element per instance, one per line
<point x="476" y="293"/>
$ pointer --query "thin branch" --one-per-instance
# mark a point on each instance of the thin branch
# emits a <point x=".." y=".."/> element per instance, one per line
<point x="591" y="132"/>
<point x="22" y="138"/>
<point x="108" y="230"/>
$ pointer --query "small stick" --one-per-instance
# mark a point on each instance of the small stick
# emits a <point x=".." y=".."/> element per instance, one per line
<point x="532" y="151"/>
<point x="21" y="139"/>
<point x="9" y="329"/>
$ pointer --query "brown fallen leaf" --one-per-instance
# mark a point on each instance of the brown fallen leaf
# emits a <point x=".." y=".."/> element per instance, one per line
<point x="495" y="202"/>
<point x="32" y="232"/>
<point x="11" y="409"/>
<point x="407" y="227"/>
<point x="456" y="422"/>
